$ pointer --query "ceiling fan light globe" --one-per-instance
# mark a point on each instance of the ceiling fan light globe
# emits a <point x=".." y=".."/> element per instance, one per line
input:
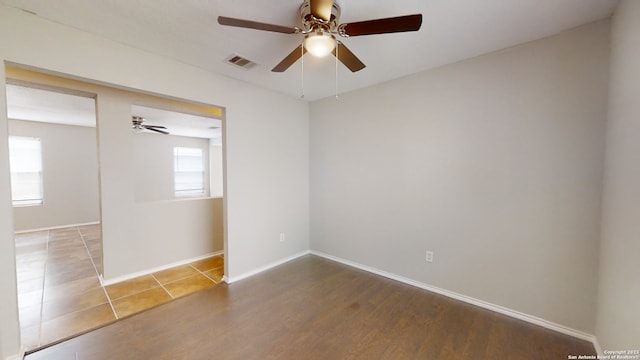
<point x="319" y="44"/>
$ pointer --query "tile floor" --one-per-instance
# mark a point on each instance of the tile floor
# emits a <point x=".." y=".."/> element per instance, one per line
<point x="60" y="295"/>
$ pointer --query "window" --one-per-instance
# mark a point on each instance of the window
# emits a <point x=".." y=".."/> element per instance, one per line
<point x="25" y="162"/>
<point x="188" y="166"/>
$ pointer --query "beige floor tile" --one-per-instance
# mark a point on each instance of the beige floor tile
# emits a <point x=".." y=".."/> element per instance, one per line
<point x="188" y="285"/>
<point x="31" y="249"/>
<point x="132" y="286"/>
<point x="29" y="315"/>
<point x="173" y="274"/>
<point x="89" y="229"/>
<point x="52" y="292"/>
<point x="209" y="263"/>
<point x="74" y="300"/>
<point x="55" y="266"/>
<point x="30" y="285"/>
<point x="29" y="273"/>
<point x="67" y="254"/>
<point x="72" y="303"/>
<point x="63" y="233"/>
<point x="30" y="298"/>
<point x="76" y="267"/>
<point x="215" y="274"/>
<point x="31" y="237"/>
<point x="32" y="259"/>
<point x="77" y="322"/>
<point x="140" y="301"/>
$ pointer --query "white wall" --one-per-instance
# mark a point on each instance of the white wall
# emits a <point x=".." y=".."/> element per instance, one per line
<point x="143" y="226"/>
<point x="493" y="163"/>
<point x="618" y="325"/>
<point x="194" y="225"/>
<point x="70" y="176"/>
<point x="216" y="166"/>
<point x="153" y="164"/>
<point x="266" y="155"/>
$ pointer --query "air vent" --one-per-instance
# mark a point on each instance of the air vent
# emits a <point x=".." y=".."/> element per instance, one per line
<point x="240" y="62"/>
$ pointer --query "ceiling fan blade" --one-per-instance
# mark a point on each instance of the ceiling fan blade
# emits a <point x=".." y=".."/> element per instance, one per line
<point x="154" y="126"/>
<point x="157" y="130"/>
<point x="290" y="59"/>
<point x="383" y="26"/>
<point x="223" y="20"/>
<point x="348" y="58"/>
<point x="321" y="9"/>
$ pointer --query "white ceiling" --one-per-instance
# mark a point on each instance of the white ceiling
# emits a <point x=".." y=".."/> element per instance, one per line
<point x="187" y="31"/>
<point x="179" y="123"/>
<point x="26" y="103"/>
<point x="32" y="104"/>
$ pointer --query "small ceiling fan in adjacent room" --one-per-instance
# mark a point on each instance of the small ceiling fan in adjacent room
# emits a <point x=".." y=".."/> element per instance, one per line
<point x="139" y="126"/>
<point x="319" y="23"/>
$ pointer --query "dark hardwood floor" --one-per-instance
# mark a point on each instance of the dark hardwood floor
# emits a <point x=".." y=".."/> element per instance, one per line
<point x="313" y="308"/>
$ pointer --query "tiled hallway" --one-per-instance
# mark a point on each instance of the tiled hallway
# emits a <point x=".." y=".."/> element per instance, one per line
<point x="60" y="295"/>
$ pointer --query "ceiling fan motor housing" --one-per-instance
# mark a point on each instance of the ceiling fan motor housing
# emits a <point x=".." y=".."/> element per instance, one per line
<point x="137" y="122"/>
<point x="312" y="23"/>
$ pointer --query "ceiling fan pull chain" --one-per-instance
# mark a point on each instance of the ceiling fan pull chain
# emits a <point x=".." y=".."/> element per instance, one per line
<point x="337" y="47"/>
<point x="302" y="72"/>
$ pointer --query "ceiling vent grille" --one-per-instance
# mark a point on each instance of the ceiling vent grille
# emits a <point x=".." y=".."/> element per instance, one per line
<point x="240" y="62"/>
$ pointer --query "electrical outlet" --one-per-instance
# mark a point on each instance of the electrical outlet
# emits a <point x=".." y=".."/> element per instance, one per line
<point x="429" y="257"/>
<point x="281" y="237"/>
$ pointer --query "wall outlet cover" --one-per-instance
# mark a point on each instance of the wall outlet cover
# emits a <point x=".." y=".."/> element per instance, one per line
<point x="429" y="257"/>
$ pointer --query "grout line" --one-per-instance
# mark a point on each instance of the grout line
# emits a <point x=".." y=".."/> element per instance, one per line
<point x="95" y="268"/>
<point x="110" y="303"/>
<point x="205" y="275"/>
<point x="162" y="286"/>
<point x="45" y="280"/>
<point x="44" y="276"/>
<point x="84" y="242"/>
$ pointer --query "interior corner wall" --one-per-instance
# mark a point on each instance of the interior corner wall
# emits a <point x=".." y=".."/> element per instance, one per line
<point x="618" y="320"/>
<point x="266" y="148"/>
<point x="69" y="176"/>
<point x="493" y="163"/>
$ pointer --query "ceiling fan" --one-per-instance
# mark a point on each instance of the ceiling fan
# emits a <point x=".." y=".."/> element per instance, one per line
<point x="320" y="23"/>
<point x="138" y="126"/>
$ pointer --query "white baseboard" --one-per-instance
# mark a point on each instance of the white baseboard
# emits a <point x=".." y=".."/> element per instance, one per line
<point x="57" y="227"/>
<point x="230" y="280"/>
<point x="483" y="304"/>
<point x="106" y="282"/>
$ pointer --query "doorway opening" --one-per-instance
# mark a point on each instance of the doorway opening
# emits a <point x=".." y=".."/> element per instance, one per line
<point x="170" y="238"/>
<point x="56" y="205"/>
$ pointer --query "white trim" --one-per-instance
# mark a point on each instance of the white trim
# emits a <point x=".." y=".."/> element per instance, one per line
<point x="596" y="345"/>
<point x="57" y="227"/>
<point x="230" y="280"/>
<point x="483" y="304"/>
<point x="136" y="274"/>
